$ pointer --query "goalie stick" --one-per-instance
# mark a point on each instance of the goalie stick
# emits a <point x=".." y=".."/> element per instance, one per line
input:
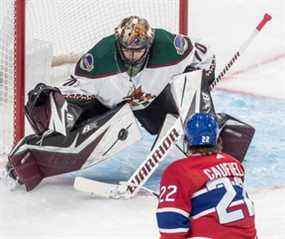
<point x="241" y="50"/>
<point x="158" y="153"/>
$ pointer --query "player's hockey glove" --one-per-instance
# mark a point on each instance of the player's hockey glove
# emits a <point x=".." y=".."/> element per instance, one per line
<point x="40" y="94"/>
<point x="37" y="109"/>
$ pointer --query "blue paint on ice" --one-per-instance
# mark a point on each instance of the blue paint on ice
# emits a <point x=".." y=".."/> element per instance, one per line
<point x="264" y="163"/>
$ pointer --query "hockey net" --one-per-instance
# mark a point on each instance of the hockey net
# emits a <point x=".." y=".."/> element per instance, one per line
<point x="41" y="40"/>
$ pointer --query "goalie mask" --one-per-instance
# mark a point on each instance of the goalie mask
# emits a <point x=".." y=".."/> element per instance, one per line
<point x="134" y="39"/>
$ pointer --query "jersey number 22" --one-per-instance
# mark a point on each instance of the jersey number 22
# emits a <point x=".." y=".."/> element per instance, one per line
<point x="226" y="216"/>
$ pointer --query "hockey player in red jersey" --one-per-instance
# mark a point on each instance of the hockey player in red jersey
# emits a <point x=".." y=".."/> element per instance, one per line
<point x="202" y="196"/>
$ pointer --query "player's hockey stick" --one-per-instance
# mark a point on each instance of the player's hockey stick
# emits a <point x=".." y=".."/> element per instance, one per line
<point x="105" y="190"/>
<point x="158" y="153"/>
<point x="241" y="50"/>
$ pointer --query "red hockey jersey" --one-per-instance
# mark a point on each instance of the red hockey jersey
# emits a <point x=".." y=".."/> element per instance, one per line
<point x="204" y="196"/>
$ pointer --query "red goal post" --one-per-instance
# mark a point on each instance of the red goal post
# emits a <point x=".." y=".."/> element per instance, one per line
<point x="40" y="35"/>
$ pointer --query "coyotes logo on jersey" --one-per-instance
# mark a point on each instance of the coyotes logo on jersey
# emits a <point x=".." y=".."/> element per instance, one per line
<point x="139" y="99"/>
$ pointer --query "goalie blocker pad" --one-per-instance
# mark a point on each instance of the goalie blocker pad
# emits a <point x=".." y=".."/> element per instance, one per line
<point x="37" y="157"/>
<point x="236" y="136"/>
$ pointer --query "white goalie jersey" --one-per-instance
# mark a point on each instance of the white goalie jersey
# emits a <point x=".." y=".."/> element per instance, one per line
<point x="101" y="72"/>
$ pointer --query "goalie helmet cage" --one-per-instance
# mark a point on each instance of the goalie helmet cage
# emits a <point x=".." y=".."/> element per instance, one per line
<point x="34" y="30"/>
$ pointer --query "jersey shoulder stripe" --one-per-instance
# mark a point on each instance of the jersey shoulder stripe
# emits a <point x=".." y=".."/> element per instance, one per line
<point x="205" y="203"/>
<point x="172" y="220"/>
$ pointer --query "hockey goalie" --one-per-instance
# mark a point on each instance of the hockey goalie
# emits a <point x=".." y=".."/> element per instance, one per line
<point x="136" y="76"/>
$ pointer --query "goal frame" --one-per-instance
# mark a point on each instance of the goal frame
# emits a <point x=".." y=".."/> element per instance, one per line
<point x="19" y="61"/>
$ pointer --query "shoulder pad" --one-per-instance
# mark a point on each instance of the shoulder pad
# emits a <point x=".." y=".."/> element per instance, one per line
<point x="168" y="48"/>
<point x="99" y="61"/>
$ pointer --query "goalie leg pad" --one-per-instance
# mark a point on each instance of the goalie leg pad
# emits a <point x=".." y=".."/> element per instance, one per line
<point x="32" y="163"/>
<point x="26" y="169"/>
<point x="49" y="154"/>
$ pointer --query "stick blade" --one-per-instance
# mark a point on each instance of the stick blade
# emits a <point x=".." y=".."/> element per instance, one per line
<point x="95" y="188"/>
